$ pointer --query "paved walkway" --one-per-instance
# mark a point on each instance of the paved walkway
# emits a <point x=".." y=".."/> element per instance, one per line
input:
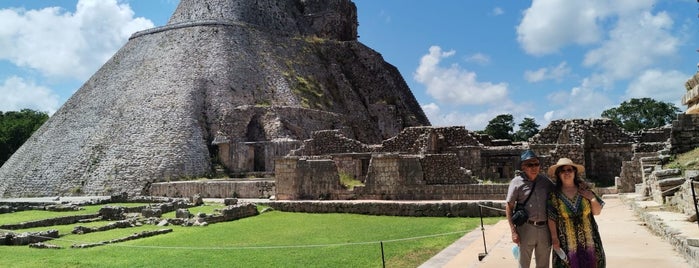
<point x="626" y="239"/>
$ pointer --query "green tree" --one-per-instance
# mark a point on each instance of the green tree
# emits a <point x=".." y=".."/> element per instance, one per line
<point x="527" y="129"/>
<point x="16" y="128"/>
<point x="500" y="127"/>
<point x="644" y="113"/>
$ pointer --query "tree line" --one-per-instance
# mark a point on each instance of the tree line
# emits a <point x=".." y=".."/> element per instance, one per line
<point x="16" y="128"/>
<point x="633" y="116"/>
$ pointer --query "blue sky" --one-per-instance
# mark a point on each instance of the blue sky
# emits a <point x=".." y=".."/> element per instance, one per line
<point x="465" y="61"/>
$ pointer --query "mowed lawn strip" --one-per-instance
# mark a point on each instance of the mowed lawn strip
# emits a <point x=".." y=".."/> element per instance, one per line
<point x="272" y="239"/>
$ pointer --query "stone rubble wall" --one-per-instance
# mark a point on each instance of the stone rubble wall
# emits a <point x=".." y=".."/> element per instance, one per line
<point x="577" y="131"/>
<point x="410" y="139"/>
<point x="632" y="173"/>
<point x="444" y="169"/>
<point x="330" y="142"/>
<point x="685" y="133"/>
<point x="682" y="199"/>
<point x="215" y="188"/>
<point x="26" y="238"/>
<point x="604" y="163"/>
<point x="412" y="209"/>
<point x="389" y="177"/>
<point x="663" y="183"/>
<point x="49" y="222"/>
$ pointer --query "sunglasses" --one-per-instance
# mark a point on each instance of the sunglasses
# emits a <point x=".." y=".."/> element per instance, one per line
<point x="532" y="164"/>
<point x="567" y="170"/>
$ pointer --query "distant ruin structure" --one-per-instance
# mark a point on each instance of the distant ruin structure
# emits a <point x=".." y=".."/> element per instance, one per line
<point x="445" y="163"/>
<point x="225" y="86"/>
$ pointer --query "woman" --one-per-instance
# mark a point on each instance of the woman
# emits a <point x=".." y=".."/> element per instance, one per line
<point x="571" y="208"/>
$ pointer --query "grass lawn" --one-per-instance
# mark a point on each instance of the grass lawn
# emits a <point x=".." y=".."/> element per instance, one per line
<point x="273" y="239"/>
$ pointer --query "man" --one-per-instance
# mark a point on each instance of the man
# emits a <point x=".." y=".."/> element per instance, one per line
<point x="532" y="236"/>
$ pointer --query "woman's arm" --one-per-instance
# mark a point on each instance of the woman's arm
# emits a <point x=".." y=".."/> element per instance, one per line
<point x="595" y="202"/>
<point x="555" y="243"/>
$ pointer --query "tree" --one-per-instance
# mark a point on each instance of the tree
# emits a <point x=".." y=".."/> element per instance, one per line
<point x="500" y="127"/>
<point x="16" y="128"/>
<point x="527" y="129"/>
<point x="644" y="113"/>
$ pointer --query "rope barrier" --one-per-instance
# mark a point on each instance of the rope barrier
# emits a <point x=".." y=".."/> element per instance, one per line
<point x="493" y="208"/>
<point x="673" y="188"/>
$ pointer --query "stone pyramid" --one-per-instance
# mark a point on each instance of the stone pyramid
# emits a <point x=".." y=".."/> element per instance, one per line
<point x="221" y="72"/>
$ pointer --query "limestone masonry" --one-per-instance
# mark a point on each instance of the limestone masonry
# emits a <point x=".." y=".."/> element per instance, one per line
<point x="221" y="79"/>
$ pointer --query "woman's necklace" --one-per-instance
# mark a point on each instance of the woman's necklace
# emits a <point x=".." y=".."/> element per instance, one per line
<point x="570" y="192"/>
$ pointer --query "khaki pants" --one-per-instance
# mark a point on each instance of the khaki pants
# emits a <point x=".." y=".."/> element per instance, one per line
<point x="536" y="239"/>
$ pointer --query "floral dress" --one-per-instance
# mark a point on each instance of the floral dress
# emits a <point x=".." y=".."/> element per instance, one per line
<point x="577" y="231"/>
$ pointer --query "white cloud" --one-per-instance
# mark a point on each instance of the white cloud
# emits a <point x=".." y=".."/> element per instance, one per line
<point x="479" y="58"/>
<point x="475" y="119"/>
<point x="58" y="43"/>
<point x="17" y="94"/>
<point x="453" y="84"/>
<point x="471" y="121"/>
<point x="667" y="86"/>
<point x="385" y="16"/>
<point x="636" y="42"/>
<point x="543" y="31"/>
<point x="497" y="11"/>
<point x="554" y="73"/>
<point x="583" y="101"/>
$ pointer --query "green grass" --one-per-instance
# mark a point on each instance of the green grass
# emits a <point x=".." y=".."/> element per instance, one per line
<point x="274" y="239"/>
<point x="685" y="161"/>
<point x="33" y="215"/>
<point x="349" y="182"/>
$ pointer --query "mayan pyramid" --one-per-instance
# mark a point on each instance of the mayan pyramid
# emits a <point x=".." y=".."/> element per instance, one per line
<point x="220" y="71"/>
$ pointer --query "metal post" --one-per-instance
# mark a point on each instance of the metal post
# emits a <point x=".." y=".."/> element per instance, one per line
<point x="482" y="255"/>
<point x="383" y="259"/>
<point x="694" y="197"/>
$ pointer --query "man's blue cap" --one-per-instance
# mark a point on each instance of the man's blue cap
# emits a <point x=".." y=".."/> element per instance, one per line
<point x="526" y="155"/>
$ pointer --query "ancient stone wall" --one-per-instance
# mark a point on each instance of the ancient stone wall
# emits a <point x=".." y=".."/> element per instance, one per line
<point x="389" y="177"/>
<point x="632" y="172"/>
<point x="577" y="131"/>
<point x="497" y="163"/>
<point x="336" y="19"/>
<point x="419" y="209"/>
<point x="444" y="169"/>
<point x="661" y="134"/>
<point x="683" y="199"/>
<point x="603" y="163"/>
<point x="286" y="178"/>
<point x="330" y="142"/>
<point x="215" y="188"/>
<point x="685" y="133"/>
<point x="429" y="139"/>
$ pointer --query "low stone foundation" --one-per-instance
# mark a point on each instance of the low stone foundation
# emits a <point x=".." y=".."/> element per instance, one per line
<point x="215" y="188"/>
<point x="396" y="208"/>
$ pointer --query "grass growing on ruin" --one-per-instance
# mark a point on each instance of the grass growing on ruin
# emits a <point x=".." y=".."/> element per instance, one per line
<point x="685" y="161"/>
<point x="273" y="239"/>
<point x="33" y="215"/>
<point x="349" y="182"/>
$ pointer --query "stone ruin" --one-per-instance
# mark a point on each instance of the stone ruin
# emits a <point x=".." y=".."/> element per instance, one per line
<point x="452" y="163"/>
<point x="120" y="217"/>
<point x="445" y="163"/>
<point x="224" y="87"/>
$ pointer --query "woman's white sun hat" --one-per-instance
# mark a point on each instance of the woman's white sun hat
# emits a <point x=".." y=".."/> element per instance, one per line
<point x="564" y="162"/>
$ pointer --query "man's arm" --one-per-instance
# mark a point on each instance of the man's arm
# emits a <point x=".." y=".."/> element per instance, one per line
<point x="509" y="208"/>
